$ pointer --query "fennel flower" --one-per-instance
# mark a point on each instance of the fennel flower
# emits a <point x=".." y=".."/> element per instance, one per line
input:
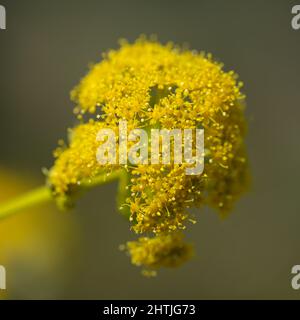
<point x="150" y="85"/>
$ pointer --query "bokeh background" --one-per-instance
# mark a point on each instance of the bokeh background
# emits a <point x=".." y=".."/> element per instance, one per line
<point x="43" y="54"/>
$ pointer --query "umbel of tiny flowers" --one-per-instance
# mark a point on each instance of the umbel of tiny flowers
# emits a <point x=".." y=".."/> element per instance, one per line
<point x="151" y="85"/>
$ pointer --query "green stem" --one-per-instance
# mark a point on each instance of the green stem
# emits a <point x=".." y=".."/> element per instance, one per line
<point x="29" y="199"/>
<point x="44" y="194"/>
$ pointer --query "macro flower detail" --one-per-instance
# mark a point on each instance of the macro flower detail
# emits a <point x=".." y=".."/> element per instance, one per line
<point x="153" y="86"/>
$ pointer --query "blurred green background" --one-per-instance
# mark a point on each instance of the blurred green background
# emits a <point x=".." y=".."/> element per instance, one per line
<point x="43" y="54"/>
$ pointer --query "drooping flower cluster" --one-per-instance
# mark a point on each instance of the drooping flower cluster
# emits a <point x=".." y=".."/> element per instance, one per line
<point x="150" y="85"/>
<point x="166" y="250"/>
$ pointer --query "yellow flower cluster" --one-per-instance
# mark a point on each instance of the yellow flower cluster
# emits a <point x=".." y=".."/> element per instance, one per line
<point x="78" y="161"/>
<point x="166" y="250"/>
<point x="159" y="86"/>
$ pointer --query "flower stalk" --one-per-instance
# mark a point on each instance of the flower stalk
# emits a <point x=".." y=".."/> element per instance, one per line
<point x="28" y="200"/>
<point x="44" y="194"/>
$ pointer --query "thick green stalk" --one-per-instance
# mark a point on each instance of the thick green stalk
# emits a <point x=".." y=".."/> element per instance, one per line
<point x="43" y="194"/>
<point x="25" y="201"/>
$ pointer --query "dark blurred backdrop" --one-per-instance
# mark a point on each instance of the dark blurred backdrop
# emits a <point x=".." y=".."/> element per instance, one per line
<point x="43" y="54"/>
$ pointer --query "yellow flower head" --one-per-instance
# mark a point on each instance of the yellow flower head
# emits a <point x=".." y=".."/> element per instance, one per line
<point x="167" y="250"/>
<point x="150" y="85"/>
